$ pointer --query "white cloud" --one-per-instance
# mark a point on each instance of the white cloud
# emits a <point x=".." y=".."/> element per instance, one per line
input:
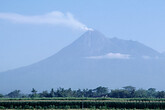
<point x="111" y="56"/>
<point x="149" y="57"/>
<point x="54" y="18"/>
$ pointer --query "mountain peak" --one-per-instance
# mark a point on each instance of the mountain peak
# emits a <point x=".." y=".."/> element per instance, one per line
<point x="89" y="43"/>
<point x="92" y="35"/>
<point x="92" y="32"/>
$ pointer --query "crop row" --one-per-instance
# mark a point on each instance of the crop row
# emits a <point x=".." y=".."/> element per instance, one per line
<point x="79" y="105"/>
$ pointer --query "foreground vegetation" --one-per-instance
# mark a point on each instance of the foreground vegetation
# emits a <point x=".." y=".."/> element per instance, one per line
<point x="79" y="103"/>
<point x="99" y="98"/>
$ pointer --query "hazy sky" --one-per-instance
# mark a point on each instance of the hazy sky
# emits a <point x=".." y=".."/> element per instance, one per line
<point x="31" y="30"/>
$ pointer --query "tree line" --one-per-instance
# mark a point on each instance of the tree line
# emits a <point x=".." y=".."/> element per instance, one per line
<point x="125" y="92"/>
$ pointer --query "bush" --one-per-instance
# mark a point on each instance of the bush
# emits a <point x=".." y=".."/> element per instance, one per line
<point x="2" y="107"/>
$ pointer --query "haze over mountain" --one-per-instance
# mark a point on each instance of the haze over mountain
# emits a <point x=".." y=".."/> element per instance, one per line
<point x="90" y="61"/>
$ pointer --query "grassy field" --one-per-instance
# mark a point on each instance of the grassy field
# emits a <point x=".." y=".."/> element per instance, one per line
<point x="83" y="103"/>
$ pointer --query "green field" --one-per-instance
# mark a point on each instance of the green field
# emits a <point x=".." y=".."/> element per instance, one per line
<point x="82" y="103"/>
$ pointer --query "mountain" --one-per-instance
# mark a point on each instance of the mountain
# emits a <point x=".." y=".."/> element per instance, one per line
<point x="90" y="61"/>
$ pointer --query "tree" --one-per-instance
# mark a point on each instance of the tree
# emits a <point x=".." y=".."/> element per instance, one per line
<point x="84" y="93"/>
<point x="131" y="90"/>
<point x="100" y="91"/>
<point x="69" y="92"/>
<point x="90" y="93"/>
<point x="151" y="92"/>
<point x="52" y="93"/>
<point x="1" y="95"/>
<point x="160" y="94"/>
<point x="119" y="93"/>
<point x="14" y="94"/>
<point x="141" y="93"/>
<point x="60" y="92"/>
<point x="44" y="94"/>
<point x="79" y="93"/>
<point x="34" y="93"/>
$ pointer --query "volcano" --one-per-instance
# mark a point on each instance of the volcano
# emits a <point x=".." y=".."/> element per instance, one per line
<point x="90" y="61"/>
